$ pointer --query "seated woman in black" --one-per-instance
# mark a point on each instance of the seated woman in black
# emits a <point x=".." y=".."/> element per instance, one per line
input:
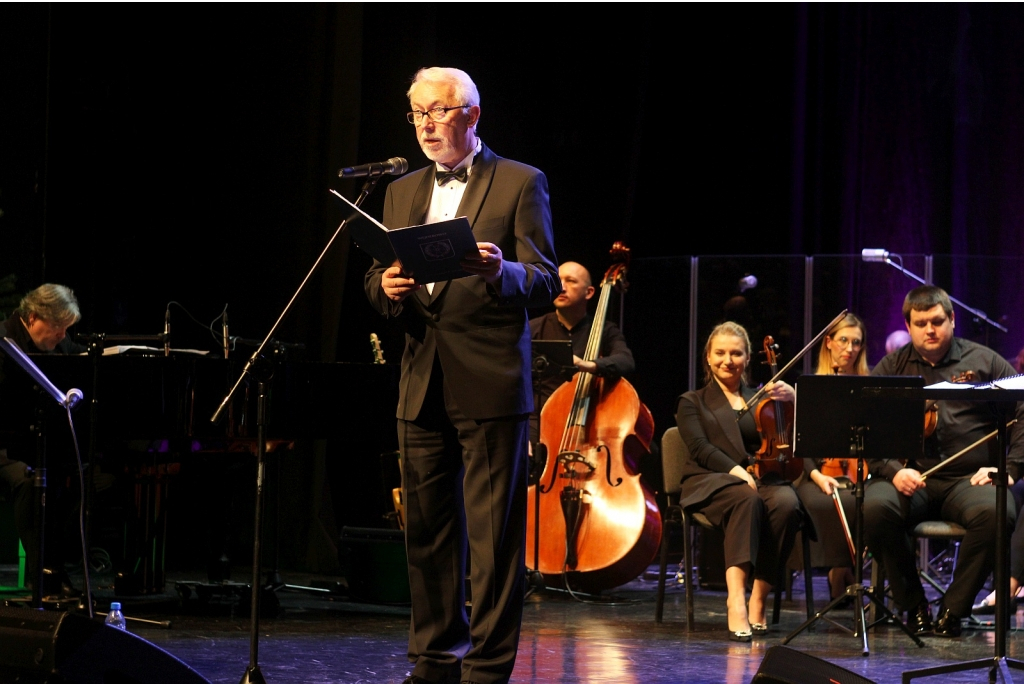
<point x="759" y="517"/>
<point x="843" y="352"/>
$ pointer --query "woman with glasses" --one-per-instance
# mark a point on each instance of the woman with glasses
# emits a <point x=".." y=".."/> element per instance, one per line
<point x="843" y="351"/>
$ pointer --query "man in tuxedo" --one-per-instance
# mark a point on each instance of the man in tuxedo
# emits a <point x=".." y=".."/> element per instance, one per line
<point x="465" y="391"/>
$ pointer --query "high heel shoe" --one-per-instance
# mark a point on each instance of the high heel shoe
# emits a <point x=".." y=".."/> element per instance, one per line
<point x="740" y="635"/>
<point x="759" y="628"/>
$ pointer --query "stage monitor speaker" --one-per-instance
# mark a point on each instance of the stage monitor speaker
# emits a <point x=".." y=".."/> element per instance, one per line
<point x="38" y="646"/>
<point x="783" y="664"/>
<point x="374" y="563"/>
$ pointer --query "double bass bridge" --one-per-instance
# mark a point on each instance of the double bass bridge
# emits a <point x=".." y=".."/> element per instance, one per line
<point x="567" y="462"/>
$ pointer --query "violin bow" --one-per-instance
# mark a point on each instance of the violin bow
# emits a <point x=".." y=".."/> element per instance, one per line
<point x="752" y="402"/>
<point x="945" y="462"/>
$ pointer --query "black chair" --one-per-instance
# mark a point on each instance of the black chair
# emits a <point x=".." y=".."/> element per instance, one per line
<point x="929" y="567"/>
<point x="673" y="455"/>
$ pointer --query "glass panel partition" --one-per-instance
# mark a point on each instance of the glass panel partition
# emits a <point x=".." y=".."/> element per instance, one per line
<point x="673" y="303"/>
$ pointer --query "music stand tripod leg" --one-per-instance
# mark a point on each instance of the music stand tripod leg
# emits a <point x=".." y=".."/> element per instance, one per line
<point x="858" y="590"/>
<point x="999" y="663"/>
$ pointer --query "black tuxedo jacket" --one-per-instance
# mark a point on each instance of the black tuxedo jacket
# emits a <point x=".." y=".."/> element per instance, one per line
<point x="708" y="426"/>
<point x="478" y="332"/>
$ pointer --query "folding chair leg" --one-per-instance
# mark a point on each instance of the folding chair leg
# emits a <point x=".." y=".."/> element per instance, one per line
<point x="688" y="575"/>
<point x="659" y="605"/>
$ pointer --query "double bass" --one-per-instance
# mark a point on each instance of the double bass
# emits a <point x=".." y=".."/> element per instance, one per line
<point x="596" y="521"/>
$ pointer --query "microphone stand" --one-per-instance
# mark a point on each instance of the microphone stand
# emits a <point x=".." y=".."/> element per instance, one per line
<point x="259" y="368"/>
<point x="883" y="256"/>
<point x="69" y="400"/>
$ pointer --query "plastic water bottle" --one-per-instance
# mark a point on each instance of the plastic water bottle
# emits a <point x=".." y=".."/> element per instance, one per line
<point x="115" y="618"/>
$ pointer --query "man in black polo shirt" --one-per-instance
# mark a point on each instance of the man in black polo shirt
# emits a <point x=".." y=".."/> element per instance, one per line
<point x="961" y="492"/>
<point x="571" y="321"/>
<point x="38" y="326"/>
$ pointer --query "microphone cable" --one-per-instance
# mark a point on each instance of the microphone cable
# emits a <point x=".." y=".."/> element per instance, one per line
<point x="81" y="514"/>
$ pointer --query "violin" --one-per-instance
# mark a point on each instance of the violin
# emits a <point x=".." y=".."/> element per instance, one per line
<point x="838" y="467"/>
<point x="931" y="407"/>
<point x="774" y="420"/>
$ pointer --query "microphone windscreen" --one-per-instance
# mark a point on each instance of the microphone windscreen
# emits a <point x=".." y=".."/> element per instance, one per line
<point x="399" y="165"/>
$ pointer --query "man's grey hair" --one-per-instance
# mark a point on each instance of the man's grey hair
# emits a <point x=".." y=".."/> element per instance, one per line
<point x="463" y="89"/>
<point x="55" y="304"/>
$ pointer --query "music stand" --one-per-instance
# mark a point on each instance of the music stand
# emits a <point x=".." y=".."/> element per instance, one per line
<point x="833" y="418"/>
<point x="551" y="358"/>
<point x="1003" y="402"/>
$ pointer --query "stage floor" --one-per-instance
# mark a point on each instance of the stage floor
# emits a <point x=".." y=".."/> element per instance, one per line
<point x="323" y="639"/>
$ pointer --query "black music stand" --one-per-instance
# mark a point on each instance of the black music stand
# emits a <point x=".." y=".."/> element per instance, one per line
<point x="1003" y="403"/>
<point x="832" y="418"/>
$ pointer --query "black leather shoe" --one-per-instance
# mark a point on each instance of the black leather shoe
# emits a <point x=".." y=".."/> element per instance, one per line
<point x="919" y="620"/>
<point x="740" y="635"/>
<point x="947" y="624"/>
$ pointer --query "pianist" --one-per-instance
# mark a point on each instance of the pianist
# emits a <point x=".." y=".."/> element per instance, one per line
<point x="38" y="326"/>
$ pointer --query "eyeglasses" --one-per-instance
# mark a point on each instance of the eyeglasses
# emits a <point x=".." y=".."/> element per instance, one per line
<point x="415" y="117"/>
<point x="843" y="341"/>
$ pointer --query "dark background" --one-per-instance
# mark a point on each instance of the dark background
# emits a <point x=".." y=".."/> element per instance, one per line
<point x="158" y="153"/>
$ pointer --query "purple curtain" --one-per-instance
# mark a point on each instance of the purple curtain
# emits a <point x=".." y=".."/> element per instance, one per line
<point x="919" y="110"/>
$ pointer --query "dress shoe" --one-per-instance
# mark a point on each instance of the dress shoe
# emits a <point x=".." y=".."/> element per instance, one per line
<point x="740" y="635"/>
<point x="759" y="628"/>
<point x="947" y="624"/>
<point x="919" y="620"/>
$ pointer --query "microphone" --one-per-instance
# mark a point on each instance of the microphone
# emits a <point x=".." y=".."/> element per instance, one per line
<point x="396" y="166"/>
<point x="73" y="397"/>
<point x="869" y="255"/>
<point x="748" y="282"/>
<point x="224" y="331"/>
<point x="167" y="332"/>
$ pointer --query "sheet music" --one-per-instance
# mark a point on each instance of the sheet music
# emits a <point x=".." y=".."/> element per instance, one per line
<point x="946" y="385"/>
<point x="1008" y="383"/>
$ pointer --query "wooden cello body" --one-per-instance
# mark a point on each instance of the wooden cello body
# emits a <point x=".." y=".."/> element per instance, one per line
<point x="597" y="520"/>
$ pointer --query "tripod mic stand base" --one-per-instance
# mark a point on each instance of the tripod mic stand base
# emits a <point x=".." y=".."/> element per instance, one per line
<point x="253" y="674"/>
<point x="999" y="664"/>
<point x="859" y="592"/>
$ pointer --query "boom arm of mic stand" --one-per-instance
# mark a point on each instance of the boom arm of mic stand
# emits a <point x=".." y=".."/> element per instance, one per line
<point x="977" y="312"/>
<point x="368" y="187"/>
<point x="73" y="396"/>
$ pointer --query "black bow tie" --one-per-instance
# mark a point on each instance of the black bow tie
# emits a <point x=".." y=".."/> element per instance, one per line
<point x="443" y="177"/>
